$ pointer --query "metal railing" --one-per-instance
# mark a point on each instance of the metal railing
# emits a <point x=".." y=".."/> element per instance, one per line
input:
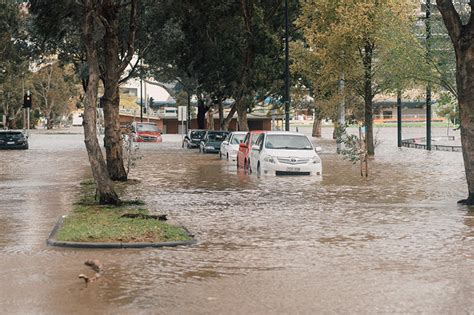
<point x="420" y="143"/>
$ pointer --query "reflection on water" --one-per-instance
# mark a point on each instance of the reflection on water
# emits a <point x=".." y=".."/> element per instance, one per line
<point x="395" y="242"/>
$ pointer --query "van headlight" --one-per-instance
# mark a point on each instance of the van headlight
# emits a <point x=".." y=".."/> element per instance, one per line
<point x="269" y="159"/>
<point x="315" y="160"/>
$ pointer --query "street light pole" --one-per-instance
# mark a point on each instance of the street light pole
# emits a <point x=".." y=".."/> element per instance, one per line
<point x="141" y="100"/>
<point x="428" y="86"/>
<point x="287" y="72"/>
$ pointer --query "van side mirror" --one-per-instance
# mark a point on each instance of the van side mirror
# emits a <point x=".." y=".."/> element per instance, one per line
<point x="318" y="149"/>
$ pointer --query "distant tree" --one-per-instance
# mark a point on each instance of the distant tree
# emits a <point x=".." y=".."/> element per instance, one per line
<point x="53" y="92"/>
<point x="226" y="49"/>
<point x="368" y="44"/>
<point x="14" y="59"/>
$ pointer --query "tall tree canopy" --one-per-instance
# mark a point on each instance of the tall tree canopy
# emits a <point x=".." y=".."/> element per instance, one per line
<point x="370" y="45"/>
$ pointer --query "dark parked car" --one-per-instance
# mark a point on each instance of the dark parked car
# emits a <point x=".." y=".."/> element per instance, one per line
<point x="212" y="141"/>
<point x="193" y="138"/>
<point x="13" y="139"/>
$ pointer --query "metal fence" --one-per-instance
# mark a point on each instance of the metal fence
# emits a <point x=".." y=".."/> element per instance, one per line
<point x="420" y="143"/>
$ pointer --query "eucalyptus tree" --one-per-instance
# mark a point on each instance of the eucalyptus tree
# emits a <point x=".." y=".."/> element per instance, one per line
<point x="57" y="29"/>
<point x="57" y="26"/>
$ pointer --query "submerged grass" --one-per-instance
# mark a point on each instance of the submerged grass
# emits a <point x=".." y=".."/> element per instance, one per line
<point x="91" y="222"/>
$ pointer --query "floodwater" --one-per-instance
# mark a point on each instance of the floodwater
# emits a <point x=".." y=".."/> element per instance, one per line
<point x="396" y="242"/>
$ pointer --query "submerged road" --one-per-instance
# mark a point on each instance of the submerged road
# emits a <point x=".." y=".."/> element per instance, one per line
<point x="396" y="242"/>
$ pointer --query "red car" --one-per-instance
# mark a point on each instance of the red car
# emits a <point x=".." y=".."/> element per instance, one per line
<point x="146" y="132"/>
<point x="245" y="147"/>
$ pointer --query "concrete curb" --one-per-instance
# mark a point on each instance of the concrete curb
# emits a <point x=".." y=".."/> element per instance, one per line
<point x="51" y="241"/>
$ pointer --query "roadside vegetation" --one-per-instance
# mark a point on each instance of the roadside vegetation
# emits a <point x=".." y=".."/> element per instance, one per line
<point x="92" y="222"/>
<point x="343" y="54"/>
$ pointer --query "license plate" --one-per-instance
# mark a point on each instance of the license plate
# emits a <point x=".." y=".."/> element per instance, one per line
<point x="293" y="169"/>
<point x="10" y="142"/>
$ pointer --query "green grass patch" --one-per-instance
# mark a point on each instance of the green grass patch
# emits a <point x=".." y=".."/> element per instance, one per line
<point x="90" y="222"/>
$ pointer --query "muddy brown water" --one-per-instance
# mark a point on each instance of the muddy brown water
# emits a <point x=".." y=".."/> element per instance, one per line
<point x="396" y="242"/>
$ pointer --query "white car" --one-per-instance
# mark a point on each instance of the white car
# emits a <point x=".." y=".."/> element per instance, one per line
<point x="284" y="153"/>
<point x="230" y="146"/>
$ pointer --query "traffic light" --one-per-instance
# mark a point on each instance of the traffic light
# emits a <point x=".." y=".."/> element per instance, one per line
<point x="27" y="103"/>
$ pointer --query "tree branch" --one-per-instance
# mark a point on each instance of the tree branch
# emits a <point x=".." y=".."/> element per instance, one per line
<point x="451" y="19"/>
<point x="131" y="37"/>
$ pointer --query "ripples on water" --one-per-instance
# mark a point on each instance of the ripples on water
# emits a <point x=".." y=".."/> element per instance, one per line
<point x="402" y="220"/>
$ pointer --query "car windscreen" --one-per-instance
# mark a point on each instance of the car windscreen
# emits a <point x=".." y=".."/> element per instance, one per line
<point x="237" y="138"/>
<point x="198" y="134"/>
<point x="288" y="142"/>
<point x="216" y="136"/>
<point x="146" y="127"/>
<point x="11" y="135"/>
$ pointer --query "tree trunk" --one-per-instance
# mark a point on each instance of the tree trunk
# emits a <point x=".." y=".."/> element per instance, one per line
<point x="368" y="98"/>
<point x="463" y="42"/>
<point x="210" y="118"/>
<point x="50" y="120"/>
<point x="317" y="127"/>
<point x="227" y="120"/>
<point x="317" y="124"/>
<point x="112" y="137"/>
<point x="242" y="115"/>
<point x="465" y="84"/>
<point x="105" y="191"/>
<point x="221" y="114"/>
<point x="201" y="115"/>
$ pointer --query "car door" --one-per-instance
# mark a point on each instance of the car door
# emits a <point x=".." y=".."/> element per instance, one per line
<point x="241" y="155"/>
<point x="255" y="152"/>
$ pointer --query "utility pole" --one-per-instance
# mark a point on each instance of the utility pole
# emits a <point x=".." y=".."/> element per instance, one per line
<point x="341" y="117"/>
<point x="141" y="100"/>
<point x="141" y="93"/>
<point x="399" y="118"/>
<point x="428" y="86"/>
<point x="287" y="71"/>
